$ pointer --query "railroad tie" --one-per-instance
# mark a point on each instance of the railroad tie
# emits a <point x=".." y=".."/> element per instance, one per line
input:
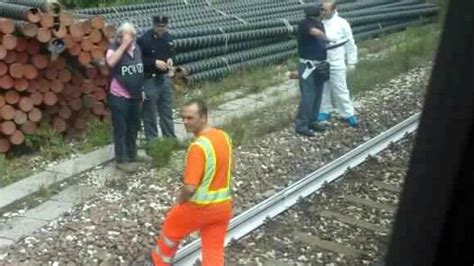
<point x="370" y="203"/>
<point x="327" y="245"/>
<point x="387" y="187"/>
<point x="354" y="222"/>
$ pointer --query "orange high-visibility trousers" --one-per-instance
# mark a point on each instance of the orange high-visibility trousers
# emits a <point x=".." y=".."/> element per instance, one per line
<point x="211" y="221"/>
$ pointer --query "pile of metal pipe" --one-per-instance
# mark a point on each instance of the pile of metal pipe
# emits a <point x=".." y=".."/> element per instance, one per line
<point x="215" y="38"/>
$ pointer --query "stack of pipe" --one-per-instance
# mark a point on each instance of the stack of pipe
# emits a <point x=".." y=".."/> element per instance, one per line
<point x="215" y="38"/>
<point x="52" y="61"/>
<point x="51" y="69"/>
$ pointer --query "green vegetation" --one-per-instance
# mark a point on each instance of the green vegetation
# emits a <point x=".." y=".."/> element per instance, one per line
<point x="416" y="46"/>
<point x="245" y="82"/>
<point x="51" y="146"/>
<point x="98" y="134"/>
<point x="3" y="165"/>
<point x="44" y="192"/>
<point x="161" y="150"/>
<point x="49" y="143"/>
<point x="245" y="129"/>
<point x="237" y="130"/>
<point x="13" y="169"/>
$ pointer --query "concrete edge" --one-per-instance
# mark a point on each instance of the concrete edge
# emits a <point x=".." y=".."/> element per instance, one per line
<point x="55" y="173"/>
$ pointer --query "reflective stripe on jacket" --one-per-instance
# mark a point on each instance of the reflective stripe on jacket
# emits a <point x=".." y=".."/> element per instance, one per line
<point x="203" y="193"/>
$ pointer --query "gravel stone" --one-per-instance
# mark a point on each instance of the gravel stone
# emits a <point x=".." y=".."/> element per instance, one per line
<point x="125" y="215"/>
<point x="283" y="236"/>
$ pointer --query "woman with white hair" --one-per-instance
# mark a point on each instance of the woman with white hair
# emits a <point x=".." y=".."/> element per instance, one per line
<point x="125" y="95"/>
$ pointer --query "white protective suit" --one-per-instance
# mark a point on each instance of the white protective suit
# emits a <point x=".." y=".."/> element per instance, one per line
<point x="335" y="91"/>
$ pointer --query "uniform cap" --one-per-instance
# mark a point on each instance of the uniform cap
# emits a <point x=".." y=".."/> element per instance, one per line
<point x="160" y="20"/>
<point x="312" y="11"/>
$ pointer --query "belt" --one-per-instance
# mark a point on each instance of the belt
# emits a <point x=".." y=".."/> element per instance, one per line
<point x="154" y="75"/>
<point x="310" y="66"/>
<point x="313" y="62"/>
<point x="336" y="45"/>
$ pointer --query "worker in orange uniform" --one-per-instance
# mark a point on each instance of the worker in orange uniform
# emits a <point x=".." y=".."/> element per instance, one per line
<point x="204" y="203"/>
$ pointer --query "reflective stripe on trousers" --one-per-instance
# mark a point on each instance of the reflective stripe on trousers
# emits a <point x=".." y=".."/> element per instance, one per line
<point x="163" y="258"/>
<point x="164" y="251"/>
<point x="168" y="242"/>
<point x="211" y="222"/>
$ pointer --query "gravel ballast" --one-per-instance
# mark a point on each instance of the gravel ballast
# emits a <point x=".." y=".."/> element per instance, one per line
<point x="119" y="224"/>
<point x="288" y="238"/>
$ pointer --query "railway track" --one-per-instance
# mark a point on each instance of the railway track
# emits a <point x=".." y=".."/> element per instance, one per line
<point x="270" y="208"/>
<point x="345" y="223"/>
<point x="134" y="207"/>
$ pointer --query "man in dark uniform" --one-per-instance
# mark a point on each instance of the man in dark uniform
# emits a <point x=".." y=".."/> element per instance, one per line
<point x="156" y="45"/>
<point x="311" y="51"/>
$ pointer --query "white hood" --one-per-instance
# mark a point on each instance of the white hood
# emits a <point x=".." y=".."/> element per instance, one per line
<point x="335" y="16"/>
<point x="339" y="31"/>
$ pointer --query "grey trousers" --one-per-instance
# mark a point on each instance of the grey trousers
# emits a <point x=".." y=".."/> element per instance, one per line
<point x="158" y="101"/>
<point x="311" y="94"/>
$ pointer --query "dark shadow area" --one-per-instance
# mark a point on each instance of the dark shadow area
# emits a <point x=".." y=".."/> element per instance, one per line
<point x="435" y="216"/>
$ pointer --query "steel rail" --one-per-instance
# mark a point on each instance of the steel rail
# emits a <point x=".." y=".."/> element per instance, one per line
<point x="256" y="216"/>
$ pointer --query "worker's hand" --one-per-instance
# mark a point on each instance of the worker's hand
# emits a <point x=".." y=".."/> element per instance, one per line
<point x="161" y="65"/>
<point x="169" y="62"/>
<point x="127" y="40"/>
<point x="351" y="67"/>
<point x="294" y="75"/>
<point x="171" y="72"/>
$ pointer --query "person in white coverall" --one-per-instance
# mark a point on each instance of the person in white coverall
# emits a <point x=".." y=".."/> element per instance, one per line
<point x="341" y="50"/>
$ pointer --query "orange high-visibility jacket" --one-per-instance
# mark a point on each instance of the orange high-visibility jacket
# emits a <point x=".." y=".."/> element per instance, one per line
<point x="209" y="167"/>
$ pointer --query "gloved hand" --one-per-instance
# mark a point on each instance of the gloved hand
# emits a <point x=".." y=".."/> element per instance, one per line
<point x="351" y="67"/>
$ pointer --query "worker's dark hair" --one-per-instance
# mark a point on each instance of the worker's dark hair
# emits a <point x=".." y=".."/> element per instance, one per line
<point x="312" y="11"/>
<point x="201" y="104"/>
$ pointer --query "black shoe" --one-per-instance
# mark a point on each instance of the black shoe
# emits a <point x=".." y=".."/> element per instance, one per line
<point x="142" y="159"/>
<point x="129" y="168"/>
<point x="307" y="133"/>
<point x="320" y="126"/>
